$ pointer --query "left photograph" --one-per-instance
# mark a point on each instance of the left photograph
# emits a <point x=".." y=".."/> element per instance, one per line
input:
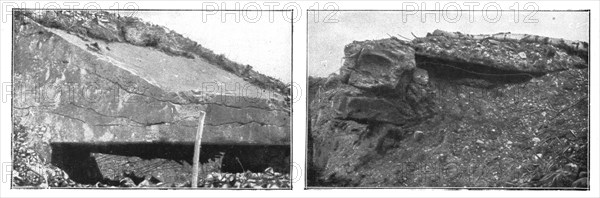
<point x="151" y="99"/>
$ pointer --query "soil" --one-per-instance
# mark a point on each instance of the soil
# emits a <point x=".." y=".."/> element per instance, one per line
<point x="485" y="125"/>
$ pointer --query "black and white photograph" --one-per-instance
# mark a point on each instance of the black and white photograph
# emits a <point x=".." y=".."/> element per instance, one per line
<point x="187" y="99"/>
<point x="453" y="99"/>
<point x="150" y="99"/>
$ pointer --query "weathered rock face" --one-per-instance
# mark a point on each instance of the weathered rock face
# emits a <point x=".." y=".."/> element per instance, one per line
<point x="377" y="64"/>
<point x="379" y="90"/>
<point x="442" y="110"/>
<point x="387" y="80"/>
<point x="88" y="91"/>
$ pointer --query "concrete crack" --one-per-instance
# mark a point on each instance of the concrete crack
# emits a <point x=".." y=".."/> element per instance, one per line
<point x="70" y="117"/>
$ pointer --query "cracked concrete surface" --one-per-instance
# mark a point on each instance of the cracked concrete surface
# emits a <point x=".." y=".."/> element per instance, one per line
<point x="134" y="94"/>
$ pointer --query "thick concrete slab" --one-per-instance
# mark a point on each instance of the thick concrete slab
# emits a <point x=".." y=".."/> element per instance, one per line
<point x="86" y="90"/>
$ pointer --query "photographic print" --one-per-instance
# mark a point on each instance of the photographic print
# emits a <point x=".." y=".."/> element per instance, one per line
<point x="448" y="99"/>
<point x="298" y="98"/>
<point x="150" y="99"/>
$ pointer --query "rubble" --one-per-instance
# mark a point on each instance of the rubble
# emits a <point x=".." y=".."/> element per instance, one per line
<point x="453" y="87"/>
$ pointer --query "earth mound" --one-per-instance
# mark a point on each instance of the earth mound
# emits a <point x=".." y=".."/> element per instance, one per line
<point x="453" y="110"/>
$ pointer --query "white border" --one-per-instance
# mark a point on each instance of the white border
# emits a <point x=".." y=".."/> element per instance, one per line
<point x="299" y="118"/>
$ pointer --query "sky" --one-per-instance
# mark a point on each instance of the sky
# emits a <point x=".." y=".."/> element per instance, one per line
<point x="326" y="40"/>
<point x="256" y="39"/>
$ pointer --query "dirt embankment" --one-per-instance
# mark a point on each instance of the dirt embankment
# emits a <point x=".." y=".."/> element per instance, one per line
<point x="452" y="110"/>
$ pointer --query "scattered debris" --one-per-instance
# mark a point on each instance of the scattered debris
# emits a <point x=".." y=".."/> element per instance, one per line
<point x="484" y="92"/>
<point x="418" y="135"/>
<point x="535" y="141"/>
<point x="93" y="47"/>
<point x="522" y="55"/>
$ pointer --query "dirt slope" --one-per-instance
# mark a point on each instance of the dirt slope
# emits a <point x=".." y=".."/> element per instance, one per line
<point x="451" y="111"/>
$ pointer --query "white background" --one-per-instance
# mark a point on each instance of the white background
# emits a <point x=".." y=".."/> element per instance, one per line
<point x="327" y="39"/>
<point x="251" y="37"/>
<point x="299" y="113"/>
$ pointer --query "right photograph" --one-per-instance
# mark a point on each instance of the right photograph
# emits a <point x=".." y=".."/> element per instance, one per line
<point x="448" y="99"/>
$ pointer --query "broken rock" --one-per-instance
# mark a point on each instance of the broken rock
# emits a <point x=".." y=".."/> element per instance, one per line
<point x="377" y="64"/>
